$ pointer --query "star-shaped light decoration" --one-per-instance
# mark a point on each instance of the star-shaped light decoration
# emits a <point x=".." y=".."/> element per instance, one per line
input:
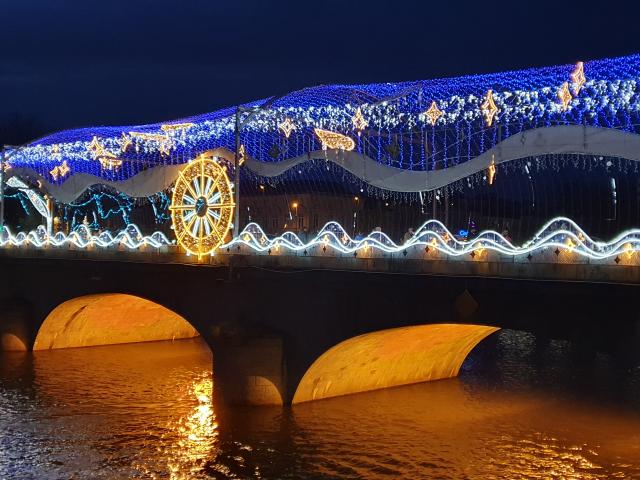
<point x="64" y="169"/>
<point x="489" y="108"/>
<point x="96" y="147"/>
<point x="564" y="95"/>
<point x="55" y="150"/>
<point x="125" y="143"/>
<point x="286" y="127"/>
<point x="577" y="78"/>
<point x="359" y="122"/>
<point x="242" y="154"/>
<point x="434" y="113"/>
<point x="60" y="171"/>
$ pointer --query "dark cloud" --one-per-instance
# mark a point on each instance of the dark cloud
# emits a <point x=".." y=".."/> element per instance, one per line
<point x="77" y="62"/>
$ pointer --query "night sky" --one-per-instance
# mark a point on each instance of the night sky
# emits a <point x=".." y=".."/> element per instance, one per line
<point x="69" y="63"/>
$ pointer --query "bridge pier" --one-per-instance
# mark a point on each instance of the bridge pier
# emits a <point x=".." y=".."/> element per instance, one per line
<point x="249" y="370"/>
<point x="15" y="326"/>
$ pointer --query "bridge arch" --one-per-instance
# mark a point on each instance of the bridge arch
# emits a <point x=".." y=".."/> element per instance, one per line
<point x="108" y="319"/>
<point x="389" y="358"/>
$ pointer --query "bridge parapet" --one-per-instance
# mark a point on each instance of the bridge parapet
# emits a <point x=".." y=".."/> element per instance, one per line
<point x="549" y="265"/>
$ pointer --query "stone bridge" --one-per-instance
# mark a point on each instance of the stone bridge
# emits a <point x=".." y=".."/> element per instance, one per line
<point x="293" y="328"/>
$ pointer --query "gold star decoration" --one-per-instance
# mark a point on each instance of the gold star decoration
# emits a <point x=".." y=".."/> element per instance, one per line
<point x="434" y="113"/>
<point x="489" y="108"/>
<point x="577" y="78"/>
<point x="564" y="95"/>
<point x="64" y="169"/>
<point x="95" y="147"/>
<point x="359" y="122"/>
<point x="126" y="142"/>
<point x="60" y="171"/>
<point x="286" y="127"/>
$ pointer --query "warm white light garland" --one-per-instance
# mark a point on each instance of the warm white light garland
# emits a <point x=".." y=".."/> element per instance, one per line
<point x="81" y="237"/>
<point x="559" y="236"/>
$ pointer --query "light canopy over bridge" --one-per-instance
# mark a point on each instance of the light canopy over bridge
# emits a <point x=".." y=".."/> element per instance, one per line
<point x="333" y="153"/>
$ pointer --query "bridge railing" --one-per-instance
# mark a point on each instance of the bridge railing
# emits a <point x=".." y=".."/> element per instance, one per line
<point x="560" y="241"/>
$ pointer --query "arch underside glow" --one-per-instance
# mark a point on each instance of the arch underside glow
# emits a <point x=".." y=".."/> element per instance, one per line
<point x="390" y="358"/>
<point x="564" y="139"/>
<point x="107" y="319"/>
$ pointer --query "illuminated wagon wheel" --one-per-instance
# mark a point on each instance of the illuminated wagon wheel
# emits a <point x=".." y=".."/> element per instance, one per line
<point x="202" y="206"/>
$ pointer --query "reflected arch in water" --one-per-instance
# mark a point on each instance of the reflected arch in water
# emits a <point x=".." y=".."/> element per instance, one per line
<point x="10" y="342"/>
<point x="15" y="315"/>
<point x="389" y="358"/>
<point x="108" y="319"/>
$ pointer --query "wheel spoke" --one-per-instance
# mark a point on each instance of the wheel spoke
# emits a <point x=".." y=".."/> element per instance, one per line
<point x="211" y="223"/>
<point x="215" y="215"/>
<point x="220" y="205"/>
<point x="214" y="198"/>
<point x="202" y="177"/>
<point x="215" y="182"/>
<point x="196" y="185"/>
<point x="191" y="221"/>
<point x="195" y="227"/>
<point x="189" y="215"/>
<point x="188" y="184"/>
<point x="182" y="207"/>
<point x="200" y="227"/>
<point x="207" y="187"/>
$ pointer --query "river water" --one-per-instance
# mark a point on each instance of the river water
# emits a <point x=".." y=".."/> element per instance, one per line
<point x="522" y="407"/>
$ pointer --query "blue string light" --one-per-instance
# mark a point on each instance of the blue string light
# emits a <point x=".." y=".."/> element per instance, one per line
<point x="524" y="99"/>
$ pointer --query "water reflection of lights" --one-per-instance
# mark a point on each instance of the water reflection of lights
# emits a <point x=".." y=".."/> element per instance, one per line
<point x="189" y="441"/>
<point x="201" y="425"/>
<point x="195" y="433"/>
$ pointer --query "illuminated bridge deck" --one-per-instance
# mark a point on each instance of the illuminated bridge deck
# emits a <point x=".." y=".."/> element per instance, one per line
<point x="547" y="265"/>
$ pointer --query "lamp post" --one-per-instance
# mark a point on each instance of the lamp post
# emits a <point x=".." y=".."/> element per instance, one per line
<point x="2" y="191"/>
<point x="239" y="123"/>
<point x="236" y="179"/>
